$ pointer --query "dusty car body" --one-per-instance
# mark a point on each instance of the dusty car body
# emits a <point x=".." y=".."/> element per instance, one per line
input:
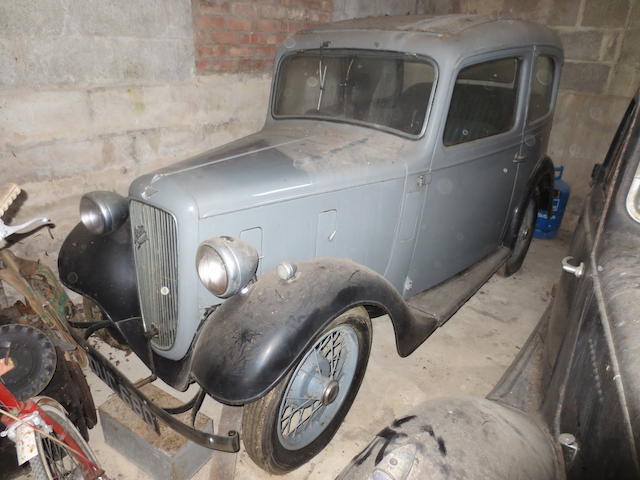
<point x="400" y="165"/>
<point x="568" y="405"/>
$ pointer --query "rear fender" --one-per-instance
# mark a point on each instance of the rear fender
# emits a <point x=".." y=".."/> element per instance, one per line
<point x="542" y="179"/>
<point x="249" y="343"/>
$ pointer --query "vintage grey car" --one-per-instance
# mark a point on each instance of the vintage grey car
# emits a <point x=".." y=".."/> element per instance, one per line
<point x="401" y="164"/>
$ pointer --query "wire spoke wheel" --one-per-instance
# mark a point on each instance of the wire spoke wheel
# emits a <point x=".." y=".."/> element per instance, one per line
<point x="54" y="462"/>
<point x="298" y="417"/>
<point x="61" y="465"/>
<point x="318" y="387"/>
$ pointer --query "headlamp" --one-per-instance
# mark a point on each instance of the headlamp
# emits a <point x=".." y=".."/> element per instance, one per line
<point x="226" y="265"/>
<point x="103" y="212"/>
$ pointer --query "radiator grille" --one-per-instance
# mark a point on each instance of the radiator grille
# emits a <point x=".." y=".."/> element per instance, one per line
<point x="155" y="247"/>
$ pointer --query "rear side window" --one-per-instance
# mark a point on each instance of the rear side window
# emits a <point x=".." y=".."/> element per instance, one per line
<point x="484" y="101"/>
<point x="541" y="88"/>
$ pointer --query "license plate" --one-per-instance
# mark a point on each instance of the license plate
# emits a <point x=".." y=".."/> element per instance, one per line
<point x="122" y="387"/>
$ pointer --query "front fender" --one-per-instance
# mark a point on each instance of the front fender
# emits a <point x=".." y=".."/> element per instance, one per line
<point x="247" y="345"/>
<point x="101" y="267"/>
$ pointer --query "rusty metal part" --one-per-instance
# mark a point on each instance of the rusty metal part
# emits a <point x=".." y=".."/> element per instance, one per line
<point x="92" y="313"/>
<point x="44" y="295"/>
<point x="50" y="309"/>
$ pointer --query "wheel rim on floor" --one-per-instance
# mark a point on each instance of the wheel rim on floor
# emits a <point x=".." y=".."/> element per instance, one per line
<point x="318" y="388"/>
<point x="57" y="463"/>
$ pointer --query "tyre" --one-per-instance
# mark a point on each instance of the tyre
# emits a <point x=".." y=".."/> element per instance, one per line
<point x="523" y="240"/>
<point x="53" y="460"/>
<point x="299" y="416"/>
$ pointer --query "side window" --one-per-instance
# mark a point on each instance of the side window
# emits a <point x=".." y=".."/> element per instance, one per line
<point x="541" y="88"/>
<point x="484" y="101"/>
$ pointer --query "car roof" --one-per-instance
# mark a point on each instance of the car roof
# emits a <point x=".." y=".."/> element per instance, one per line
<point x="458" y="25"/>
<point x="434" y="24"/>
<point x="454" y="33"/>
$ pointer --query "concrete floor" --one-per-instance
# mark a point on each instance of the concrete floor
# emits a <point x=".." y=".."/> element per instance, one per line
<point x="465" y="357"/>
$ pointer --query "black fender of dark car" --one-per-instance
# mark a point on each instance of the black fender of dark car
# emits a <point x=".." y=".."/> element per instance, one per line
<point x="247" y="345"/>
<point x="540" y="182"/>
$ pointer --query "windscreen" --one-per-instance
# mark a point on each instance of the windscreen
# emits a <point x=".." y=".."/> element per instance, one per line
<point x="380" y="89"/>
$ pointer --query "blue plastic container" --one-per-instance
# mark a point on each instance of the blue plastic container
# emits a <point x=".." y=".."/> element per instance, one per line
<point x="548" y="227"/>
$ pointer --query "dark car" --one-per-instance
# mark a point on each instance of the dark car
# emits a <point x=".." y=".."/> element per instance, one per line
<point x="569" y="405"/>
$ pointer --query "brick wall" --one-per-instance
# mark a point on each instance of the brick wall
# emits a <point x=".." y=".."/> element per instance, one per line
<point x="236" y="36"/>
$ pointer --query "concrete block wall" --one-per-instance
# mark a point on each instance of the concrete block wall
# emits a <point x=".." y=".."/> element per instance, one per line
<point x="601" y="39"/>
<point x="94" y="93"/>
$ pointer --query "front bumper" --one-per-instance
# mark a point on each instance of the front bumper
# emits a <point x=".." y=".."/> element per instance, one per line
<point x="149" y="411"/>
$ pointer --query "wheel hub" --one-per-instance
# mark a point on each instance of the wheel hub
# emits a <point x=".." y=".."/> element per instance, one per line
<point x="318" y="388"/>
<point x="330" y="392"/>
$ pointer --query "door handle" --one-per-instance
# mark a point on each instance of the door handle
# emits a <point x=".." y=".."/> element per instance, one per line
<point x="519" y="158"/>
<point x="572" y="269"/>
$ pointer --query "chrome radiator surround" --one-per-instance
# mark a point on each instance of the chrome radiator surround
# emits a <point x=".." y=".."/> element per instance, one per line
<point x="155" y="250"/>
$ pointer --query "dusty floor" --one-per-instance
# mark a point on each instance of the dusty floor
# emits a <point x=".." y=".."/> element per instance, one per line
<point x="466" y="357"/>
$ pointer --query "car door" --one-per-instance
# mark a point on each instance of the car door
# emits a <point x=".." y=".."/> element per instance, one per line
<point x="543" y="88"/>
<point x="591" y="395"/>
<point x="473" y="171"/>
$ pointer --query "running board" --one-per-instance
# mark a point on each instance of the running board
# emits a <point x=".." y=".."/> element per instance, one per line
<point x="445" y="299"/>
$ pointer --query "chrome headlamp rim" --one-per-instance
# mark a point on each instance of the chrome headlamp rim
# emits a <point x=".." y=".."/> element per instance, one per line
<point x="238" y="259"/>
<point x="103" y="212"/>
<point x="211" y="269"/>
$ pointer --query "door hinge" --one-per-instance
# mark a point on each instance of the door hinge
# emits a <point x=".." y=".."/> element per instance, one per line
<point x="424" y="179"/>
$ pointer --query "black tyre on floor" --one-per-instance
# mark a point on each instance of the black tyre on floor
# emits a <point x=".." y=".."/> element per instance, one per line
<point x="297" y="418"/>
<point x="523" y="240"/>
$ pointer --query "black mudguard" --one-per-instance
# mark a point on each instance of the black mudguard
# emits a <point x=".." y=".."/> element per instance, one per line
<point x="102" y="268"/>
<point x="542" y="178"/>
<point x="252" y="340"/>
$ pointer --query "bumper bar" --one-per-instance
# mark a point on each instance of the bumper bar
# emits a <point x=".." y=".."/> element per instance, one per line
<point x="149" y="411"/>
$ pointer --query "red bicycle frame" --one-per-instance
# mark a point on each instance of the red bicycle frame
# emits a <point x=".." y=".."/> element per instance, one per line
<point x="21" y="409"/>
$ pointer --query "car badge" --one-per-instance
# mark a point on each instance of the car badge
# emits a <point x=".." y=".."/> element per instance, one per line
<point x="140" y="236"/>
<point x="149" y="191"/>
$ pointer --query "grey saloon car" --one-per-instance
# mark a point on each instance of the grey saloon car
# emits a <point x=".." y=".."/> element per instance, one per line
<point x="401" y="164"/>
